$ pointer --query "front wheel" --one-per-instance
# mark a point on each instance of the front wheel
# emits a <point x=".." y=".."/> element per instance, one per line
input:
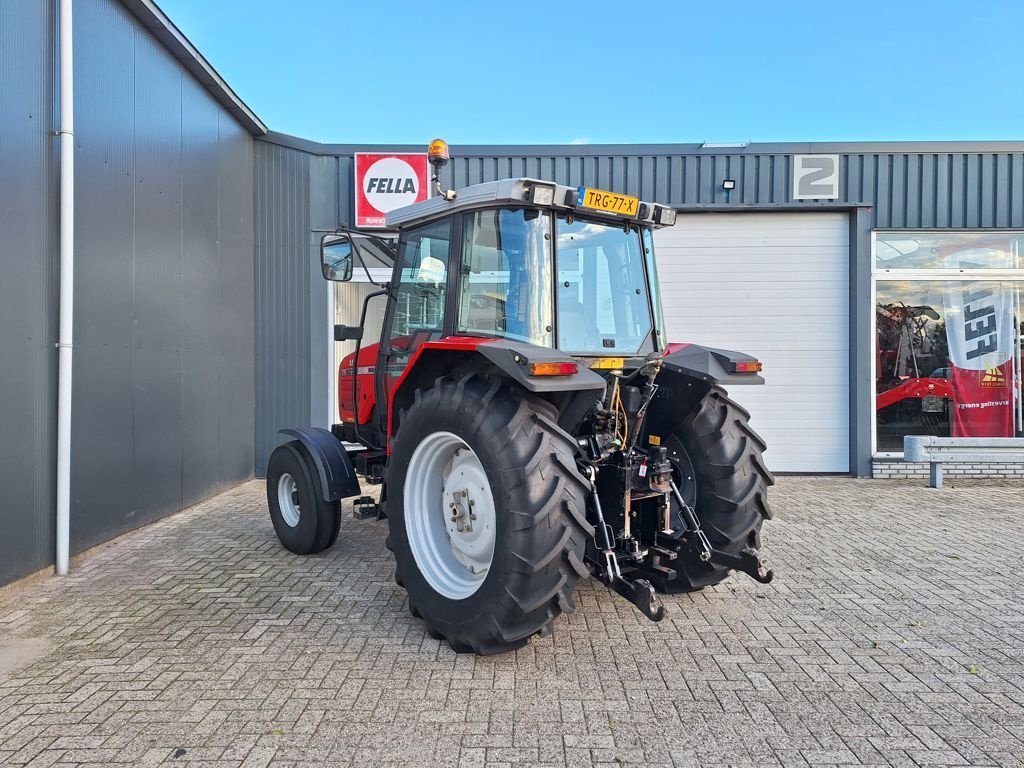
<point x="304" y="522"/>
<point x="487" y="513"/>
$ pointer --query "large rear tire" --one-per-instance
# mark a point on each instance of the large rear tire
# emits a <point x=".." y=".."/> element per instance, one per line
<point x="487" y="513"/>
<point x="720" y="470"/>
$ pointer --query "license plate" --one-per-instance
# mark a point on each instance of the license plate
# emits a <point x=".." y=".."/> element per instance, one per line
<point x="932" y="404"/>
<point x="607" y="202"/>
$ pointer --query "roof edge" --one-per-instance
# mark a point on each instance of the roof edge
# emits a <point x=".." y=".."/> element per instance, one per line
<point x="588" y="150"/>
<point x="173" y="39"/>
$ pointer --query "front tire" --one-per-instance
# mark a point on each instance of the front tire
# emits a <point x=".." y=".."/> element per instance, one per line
<point x="487" y="513"/>
<point x="303" y="521"/>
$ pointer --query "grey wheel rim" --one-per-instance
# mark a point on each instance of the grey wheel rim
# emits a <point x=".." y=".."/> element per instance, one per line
<point x="288" y="500"/>
<point x="450" y="515"/>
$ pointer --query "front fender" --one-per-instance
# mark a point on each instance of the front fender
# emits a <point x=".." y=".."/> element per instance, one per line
<point x="337" y="475"/>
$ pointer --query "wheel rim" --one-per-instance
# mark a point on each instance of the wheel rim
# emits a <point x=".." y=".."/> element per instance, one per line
<point x="288" y="499"/>
<point x="450" y="518"/>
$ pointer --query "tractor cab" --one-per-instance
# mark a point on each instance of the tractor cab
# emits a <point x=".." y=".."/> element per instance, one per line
<point x="517" y="260"/>
<point x="555" y="273"/>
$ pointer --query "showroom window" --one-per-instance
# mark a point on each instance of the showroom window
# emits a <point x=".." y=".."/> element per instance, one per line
<point x="948" y="332"/>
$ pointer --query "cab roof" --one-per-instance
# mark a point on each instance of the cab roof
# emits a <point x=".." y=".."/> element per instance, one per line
<point x="504" y="191"/>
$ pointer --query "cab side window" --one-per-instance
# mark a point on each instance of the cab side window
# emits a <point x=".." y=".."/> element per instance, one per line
<point x="420" y="296"/>
<point x="506" y="275"/>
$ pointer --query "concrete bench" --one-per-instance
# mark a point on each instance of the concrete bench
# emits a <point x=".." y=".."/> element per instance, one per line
<point x="974" y="450"/>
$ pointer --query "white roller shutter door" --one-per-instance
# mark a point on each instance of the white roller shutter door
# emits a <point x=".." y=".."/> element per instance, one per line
<point x="773" y="285"/>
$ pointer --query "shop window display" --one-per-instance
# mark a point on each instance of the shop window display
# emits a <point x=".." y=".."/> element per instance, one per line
<point x="948" y="340"/>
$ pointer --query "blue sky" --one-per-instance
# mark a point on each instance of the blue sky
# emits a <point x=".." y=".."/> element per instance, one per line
<point x="535" y="72"/>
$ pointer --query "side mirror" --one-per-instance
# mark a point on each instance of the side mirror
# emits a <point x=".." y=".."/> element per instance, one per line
<point x="336" y="255"/>
<point x="348" y="333"/>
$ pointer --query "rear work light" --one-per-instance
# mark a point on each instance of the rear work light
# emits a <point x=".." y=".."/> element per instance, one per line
<point x="554" y="369"/>
<point x="541" y="194"/>
<point x="747" y="366"/>
<point x="663" y="216"/>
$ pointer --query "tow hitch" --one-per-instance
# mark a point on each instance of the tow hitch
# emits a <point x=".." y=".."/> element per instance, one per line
<point x="639" y="592"/>
<point x="747" y="561"/>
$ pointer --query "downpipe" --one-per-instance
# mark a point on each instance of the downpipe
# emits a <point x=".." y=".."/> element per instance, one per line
<point x="67" y="285"/>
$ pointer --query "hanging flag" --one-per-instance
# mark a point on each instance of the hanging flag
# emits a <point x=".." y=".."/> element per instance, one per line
<point x="979" y="329"/>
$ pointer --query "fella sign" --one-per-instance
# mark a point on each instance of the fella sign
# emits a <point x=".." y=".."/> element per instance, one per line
<point x="384" y="183"/>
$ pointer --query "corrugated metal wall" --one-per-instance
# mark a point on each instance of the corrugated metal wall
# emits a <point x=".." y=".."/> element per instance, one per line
<point x="909" y="185"/>
<point x="912" y="185"/>
<point x="164" y="401"/>
<point x="28" y="288"/>
<point x="283" y="370"/>
<point x="906" y="190"/>
<point x="164" y="395"/>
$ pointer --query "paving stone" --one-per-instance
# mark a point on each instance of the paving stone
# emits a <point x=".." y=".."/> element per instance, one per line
<point x="893" y="634"/>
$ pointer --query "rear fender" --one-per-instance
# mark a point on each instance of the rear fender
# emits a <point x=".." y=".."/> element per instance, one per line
<point x="337" y="475"/>
<point x="710" y="365"/>
<point x="573" y="395"/>
<point x="689" y="372"/>
<point x="456" y="356"/>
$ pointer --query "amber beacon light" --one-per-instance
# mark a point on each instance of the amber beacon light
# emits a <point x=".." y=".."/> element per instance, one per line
<point x="437" y="153"/>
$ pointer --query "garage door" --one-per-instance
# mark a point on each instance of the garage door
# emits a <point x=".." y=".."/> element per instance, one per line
<point x="774" y="285"/>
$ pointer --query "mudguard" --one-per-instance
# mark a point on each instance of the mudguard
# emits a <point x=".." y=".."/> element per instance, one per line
<point x="337" y="475"/>
<point x="715" y="366"/>
<point x="573" y="395"/>
<point x="513" y="359"/>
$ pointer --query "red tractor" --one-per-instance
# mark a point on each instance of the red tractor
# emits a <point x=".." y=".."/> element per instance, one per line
<point x="527" y="418"/>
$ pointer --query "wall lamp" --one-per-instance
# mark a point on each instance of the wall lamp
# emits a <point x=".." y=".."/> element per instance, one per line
<point x="729" y="184"/>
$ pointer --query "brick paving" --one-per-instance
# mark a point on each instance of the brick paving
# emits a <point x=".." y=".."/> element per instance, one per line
<point x="892" y="635"/>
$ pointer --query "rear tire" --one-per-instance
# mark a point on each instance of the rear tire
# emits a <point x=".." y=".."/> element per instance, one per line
<point x="505" y="449"/>
<point x="303" y="521"/>
<point x="721" y="472"/>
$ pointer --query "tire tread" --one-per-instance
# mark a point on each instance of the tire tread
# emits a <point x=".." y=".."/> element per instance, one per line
<point x="727" y="457"/>
<point x="549" y="531"/>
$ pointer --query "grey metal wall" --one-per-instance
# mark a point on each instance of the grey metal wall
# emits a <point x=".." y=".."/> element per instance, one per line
<point x="908" y="184"/>
<point x="28" y="281"/>
<point x="297" y="200"/>
<point x="164" y="402"/>
<point x="283" y="370"/>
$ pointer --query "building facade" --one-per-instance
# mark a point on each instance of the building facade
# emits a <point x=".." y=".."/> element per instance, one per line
<point x="836" y="264"/>
<point x="163" y="394"/>
<point x="202" y="323"/>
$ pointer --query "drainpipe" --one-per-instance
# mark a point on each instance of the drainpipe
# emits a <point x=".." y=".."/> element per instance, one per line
<point x="67" y="287"/>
